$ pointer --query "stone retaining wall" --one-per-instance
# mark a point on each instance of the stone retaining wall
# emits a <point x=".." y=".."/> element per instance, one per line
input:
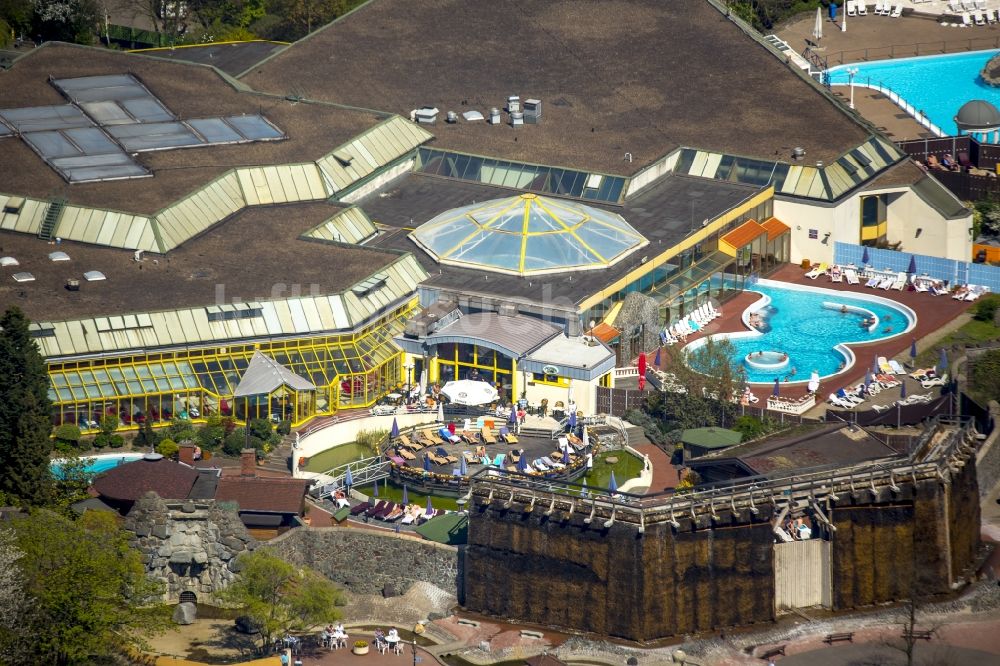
<point x="364" y="561"/>
<point x="988" y="456"/>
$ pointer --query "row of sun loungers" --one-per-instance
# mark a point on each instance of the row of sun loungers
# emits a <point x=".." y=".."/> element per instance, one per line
<point x="388" y="511"/>
<point x="690" y="324"/>
<point x="860" y="8"/>
<point x="850" y="397"/>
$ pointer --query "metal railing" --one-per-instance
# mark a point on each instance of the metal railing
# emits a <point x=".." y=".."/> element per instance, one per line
<point x="893" y="51"/>
<point x="944" y="447"/>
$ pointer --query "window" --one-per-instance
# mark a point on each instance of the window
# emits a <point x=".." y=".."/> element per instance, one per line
<point x="813" y="234"/>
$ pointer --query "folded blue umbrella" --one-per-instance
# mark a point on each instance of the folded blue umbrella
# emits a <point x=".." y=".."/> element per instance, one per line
<point x="566" y="456"/>
<point x="463" y="468"/>
<point x="394" y="433"/>
<point x="427" y="464"/>
<point x="406" y="495"/>
<point x="348" y="478"/>
<point x="612" y="484"/>
<point x="375" y="490"/>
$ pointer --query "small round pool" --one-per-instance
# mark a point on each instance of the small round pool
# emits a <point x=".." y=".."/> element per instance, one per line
<point x="766" y="361"/>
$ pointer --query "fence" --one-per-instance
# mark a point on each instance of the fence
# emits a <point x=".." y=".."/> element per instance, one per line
<point x="893" y="51"/>
<point x="952" y="270"/>
<point x="137" y="38"/>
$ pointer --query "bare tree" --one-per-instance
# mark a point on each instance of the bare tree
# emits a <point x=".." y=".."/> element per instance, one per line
<point x="13" y="600"/>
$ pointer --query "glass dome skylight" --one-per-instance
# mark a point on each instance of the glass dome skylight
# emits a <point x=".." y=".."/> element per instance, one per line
<point x="528" y="234"/>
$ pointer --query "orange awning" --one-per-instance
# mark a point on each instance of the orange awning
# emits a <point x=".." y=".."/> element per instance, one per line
<point x="740" y="236"/>
<point x="775" y="228"/>
<point x="604" y="332"/>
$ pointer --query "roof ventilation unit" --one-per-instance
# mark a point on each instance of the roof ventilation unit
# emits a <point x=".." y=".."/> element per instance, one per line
<point x="494" y="116"/>
<point x="426" y="115"/>
<point x="451" y="118"/>
<point x="532" y="111"/>
<point x="798" y="153"/>
<point x="513" y="104"/>
<point x="9" y="261"/>
<point x="58" y="256"/>
<point x="516" y="119"/>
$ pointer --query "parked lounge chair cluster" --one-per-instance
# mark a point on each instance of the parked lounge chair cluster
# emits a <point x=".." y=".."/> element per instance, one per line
<point x="886" y="378"/>
<point x="860" y="8"/>
<point x="693" y="323"/>
<point x="389" y="512"/>
<point x="972" y="12"/>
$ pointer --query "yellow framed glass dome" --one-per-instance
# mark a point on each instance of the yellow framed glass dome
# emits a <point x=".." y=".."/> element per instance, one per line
<point x="528" y="235"/>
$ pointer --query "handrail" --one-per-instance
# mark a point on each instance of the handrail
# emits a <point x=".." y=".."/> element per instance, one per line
<point x="913" y="50"/>
<point x="791" y="487"/>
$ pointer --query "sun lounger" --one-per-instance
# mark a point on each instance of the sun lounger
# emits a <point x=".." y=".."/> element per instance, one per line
<point x="897" y="11"/>
<point x="441" y="453"/>
<point x="883" y="365"/>
<point x="837" y="401"/>
<point x="498" y="459"/>
<point x="395" y="514"/>
<point x="407" y="454"/>
<point x="470" y="458"/>
<point x="817" y="271"/>
<point x="444" y="435"/>
<point x="433" y="437"/>
<point x="897" y="369"/>
<point x="978" y="18"/>
<point x="375" y="508"/>
<point x="540" y="466"/>
<point x="515" y="456"/>
<point x="862" y="8"/>
<point x="852" y="10"/>
<point x="886" y="283"/>
<point x="873" y="281"/>
<point x="358" y="509"/>
<point x="899" y="282"/>
<point x="404" y="440"/>
<point x="935" y="381"/>
<point x="488" y="436"/>
<point x="851" y="275"/>
<point x="878" y="8"/>
<point x="966" y="20"/>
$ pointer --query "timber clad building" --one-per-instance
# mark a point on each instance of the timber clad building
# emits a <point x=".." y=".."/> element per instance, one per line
<point x="162" y="222"/>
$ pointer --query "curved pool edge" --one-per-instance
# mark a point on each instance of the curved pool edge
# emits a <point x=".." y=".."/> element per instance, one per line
<point x="850" y="358"/>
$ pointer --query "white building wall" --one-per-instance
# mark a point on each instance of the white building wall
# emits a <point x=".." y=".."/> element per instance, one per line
<point x="938" y="237"/>
<point x="584" y="394"/>
<point x="840" y="221"/>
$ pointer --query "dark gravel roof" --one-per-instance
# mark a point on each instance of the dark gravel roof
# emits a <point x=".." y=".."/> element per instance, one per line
<point x="189" y="91"/>
<point x="263" y="494"/>
<point x="255" y="254"/>
<point x="130" y="481"/>
<point x="614" y="76"/>
<point x="232" y="58"/>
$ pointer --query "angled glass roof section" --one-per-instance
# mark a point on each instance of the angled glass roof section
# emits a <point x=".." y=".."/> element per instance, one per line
<point x="528" y="234"/>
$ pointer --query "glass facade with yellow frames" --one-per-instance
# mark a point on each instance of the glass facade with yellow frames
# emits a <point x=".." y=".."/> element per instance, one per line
<point x="349" y="370"/>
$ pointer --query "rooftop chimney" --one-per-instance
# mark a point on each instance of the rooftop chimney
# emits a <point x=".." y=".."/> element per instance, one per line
<point x="185" y="454"/>
<point x="248" y="462"/>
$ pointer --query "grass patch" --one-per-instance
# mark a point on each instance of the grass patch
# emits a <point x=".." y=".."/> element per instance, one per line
<point x="336" y="456"/>
<point x="390" y="491"/>
<point x="627" y="467"/>
<point x="973" y="332"/>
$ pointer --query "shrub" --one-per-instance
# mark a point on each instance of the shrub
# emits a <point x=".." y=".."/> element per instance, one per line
<point x="102" y="440"/>
<point x="214" y="432"/>
<point x="68" y="435"/>
<point x="361" y="644"/>
<point x="109" y="423"/>
<point x="986" y="308"/>
<point x="372" y="439"/>
<point x="146" y="437"/>
<point x="285" y="427"/>
<point x="750" y="427"/>
<point x="167" y="448"/>
<point x="116" y="441"/>
<point x="181" y="430"/>
<point x="237" y="440"/>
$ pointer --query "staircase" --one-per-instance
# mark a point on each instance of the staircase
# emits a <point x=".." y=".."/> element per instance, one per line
<point x="51" y="220"/>
<point x="279" y="458"/>
<point x="635" y="434"/>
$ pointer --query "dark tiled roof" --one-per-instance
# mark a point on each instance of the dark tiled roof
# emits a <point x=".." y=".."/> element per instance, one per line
<point x="233" y="58"/>
<point x="262" y="494"/>
<point x="828" y="445"/>
<point x="130" y="481"/>
<point x="641" y="77"/>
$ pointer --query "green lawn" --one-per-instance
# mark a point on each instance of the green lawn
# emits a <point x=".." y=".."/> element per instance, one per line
<point x="338" y="455"/>
<point x="627" y="467"/>
<point x="395" y="493"/>
<point x="971" y="333"/>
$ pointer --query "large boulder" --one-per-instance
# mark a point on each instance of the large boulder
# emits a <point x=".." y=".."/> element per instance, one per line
<point x="185" y="613"/>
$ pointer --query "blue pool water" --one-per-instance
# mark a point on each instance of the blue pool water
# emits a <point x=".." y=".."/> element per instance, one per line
<point x="937" y="85"/>
<point x="797" y="323"/>
<point x="97" y="464"/>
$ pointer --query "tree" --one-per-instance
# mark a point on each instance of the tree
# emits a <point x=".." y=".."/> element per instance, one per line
<point x="70" y="485"/>
<point x="13" y="602"/>
<point x="984" y="378"/>
<point x="25" y="414"/>
<point x="87" y="590"/>
<point x="280" y="598"/>
<point x="168" y="448"/>
<point x="146" y="438"/>
<point x="67" y="20"/>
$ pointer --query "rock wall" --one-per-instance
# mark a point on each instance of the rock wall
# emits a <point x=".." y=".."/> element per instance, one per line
<point x="613" y="581"/>
<point x="365" y="561"/>
<point x="988" y="455"/>
<point x="188" y="546"/>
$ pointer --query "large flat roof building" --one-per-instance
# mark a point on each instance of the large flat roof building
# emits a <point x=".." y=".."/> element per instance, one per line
<point x="281" y="211"/>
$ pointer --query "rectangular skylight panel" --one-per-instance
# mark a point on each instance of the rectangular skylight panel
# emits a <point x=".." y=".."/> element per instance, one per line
<point x="88" y="168"/>
<point x="92" y="141"/>
<point x="107" y="113"/>
<point x="147" y="110"/>
<point x="254" y="127"/>
<point x="91" y="82"/>
<point x="41" y="118"/>
<point x="51" y="144"/>
<point x="101" y="88"/>
<point x="215" y="130"/>
<point x="4" y="130"/>
<point x="154" y="136"/>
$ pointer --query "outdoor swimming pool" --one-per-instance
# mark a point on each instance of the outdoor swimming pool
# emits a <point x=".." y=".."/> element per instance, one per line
<point x="97" y="464"/>
<point x="938" y="85"/>
<point x="808" y="325"/>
